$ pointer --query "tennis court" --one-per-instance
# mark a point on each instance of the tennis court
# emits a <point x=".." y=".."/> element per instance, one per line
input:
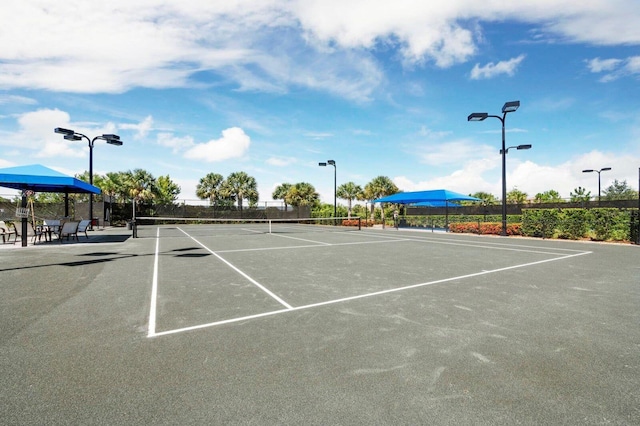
<point x="256" y="323"/>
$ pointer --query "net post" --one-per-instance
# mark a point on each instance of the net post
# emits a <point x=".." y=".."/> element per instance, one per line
<point x="270" y="226"/>
<point x="359" y="223"/>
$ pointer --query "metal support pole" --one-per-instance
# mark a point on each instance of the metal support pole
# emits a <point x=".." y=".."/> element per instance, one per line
<point x="504" y="179"/>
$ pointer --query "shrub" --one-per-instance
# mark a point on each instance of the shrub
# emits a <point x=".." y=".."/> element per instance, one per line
<point x="485" y="228"/>
<point x="540" y="222"/>
<point x="573" y="224"/>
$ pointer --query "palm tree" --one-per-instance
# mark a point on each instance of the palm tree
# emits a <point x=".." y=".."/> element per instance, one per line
<point x="280" y="193"/>
<point x="515" y="196"/>
<point x="349" y="191"/>
<point x="140" y="185"/>
<point x="112" y="185"/>
<point x="379" y="187"/>
<point x="209" y="187"/>
<point x="487" y="199"/>
<point x="302" y="194"/>
<point x="241" y="186"/>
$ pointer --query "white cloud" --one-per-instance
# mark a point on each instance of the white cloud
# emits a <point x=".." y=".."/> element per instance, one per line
<point x="14" y="99"/>
<point x="175" y="143"/>
<point x="454" y="152"/>
<point x="281" y="161"/>
<point x="599" y="65"/>
<point x="614" y="68"/>
<point x="234" y="143"/>
<point x="492" y="70"/>
<point x="325" y="45"/>
<point x="142" y="129"/>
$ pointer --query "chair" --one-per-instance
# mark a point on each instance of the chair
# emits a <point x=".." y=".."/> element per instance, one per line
<point x="38" y="232"/>
<point x="83" y="226"/>
<point x="68" y="229"/>
<point x="7" y="232"/>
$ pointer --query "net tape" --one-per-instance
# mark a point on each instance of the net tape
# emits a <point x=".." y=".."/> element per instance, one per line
<point x="211" y="226"/>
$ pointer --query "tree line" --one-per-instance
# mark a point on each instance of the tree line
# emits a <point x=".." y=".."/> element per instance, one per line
<point x="238" y="187"/>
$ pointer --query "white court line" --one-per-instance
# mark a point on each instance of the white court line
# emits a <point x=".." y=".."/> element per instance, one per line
<point x="471" y="243"/>
<point x="362" y="296"/>
<point x="301" y="239"/>
<point x="154" y="290"/>
<point x="229" y="264"/>
<point x="308" y="246"/>
<point x="484" y="244"/>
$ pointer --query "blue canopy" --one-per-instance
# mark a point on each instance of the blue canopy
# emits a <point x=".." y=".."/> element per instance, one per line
<point x="436" y="204"/>
<point x="433" y="196"/>
<point x="39" y="178"/>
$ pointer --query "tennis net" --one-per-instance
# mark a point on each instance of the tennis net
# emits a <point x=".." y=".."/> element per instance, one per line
<point x="178" y="226"/>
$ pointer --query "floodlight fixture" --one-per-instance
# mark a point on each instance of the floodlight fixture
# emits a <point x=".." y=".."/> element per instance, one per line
<point x="510" y="106"/>
<point x="73" y="137"/>
<point x="527" y="146"/>
<point x="477" y="116"/>
<point x="62" y="131"/>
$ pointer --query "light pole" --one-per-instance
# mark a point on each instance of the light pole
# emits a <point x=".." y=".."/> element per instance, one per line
<point x="604" y="169"/>
<point x="72" y="135"/>
<point x="335" y="184"/>
<point x="480" y="116"/>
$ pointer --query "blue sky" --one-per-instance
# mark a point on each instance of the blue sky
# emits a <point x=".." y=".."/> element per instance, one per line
<point x="274" y="87"/>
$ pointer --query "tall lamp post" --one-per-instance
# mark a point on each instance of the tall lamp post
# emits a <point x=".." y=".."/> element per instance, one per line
<point x="72" y="135"/>
<point x="481" y="116"/>
<point x="604" y="169"/>
<point x="335" y="185"/>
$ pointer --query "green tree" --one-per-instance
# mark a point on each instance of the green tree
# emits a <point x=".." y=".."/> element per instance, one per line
<point x="487" y="199"/>
<point x="140" y="185"/>
<point x="209" y="187"/>
<point x="619" y="191"/>
<point x="280" y="193"/>
<point x="550" y="196"/>
<point x="579" y="195"/>
<point x="349" y="191"/>
<point x="515" y="196"/>
<point x="379" y="187"/>
<point x="166" y="191"/>
<point x="240" y="186"/>
<point x="302" y="194"/>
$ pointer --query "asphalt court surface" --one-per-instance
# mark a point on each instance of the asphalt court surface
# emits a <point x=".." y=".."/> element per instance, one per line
<point x="226" y="277"/>
<point x="366" y="327"/>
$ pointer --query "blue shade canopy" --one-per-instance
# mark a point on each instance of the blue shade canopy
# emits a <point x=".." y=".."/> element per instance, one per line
<point x="433" y="196"/>
<point x="436" y="204"/>
<point x="39" y="178"/>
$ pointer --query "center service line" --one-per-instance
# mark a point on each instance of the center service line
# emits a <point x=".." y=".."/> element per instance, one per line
<point x="154" y="290"/>
<point x="254" y="282"/>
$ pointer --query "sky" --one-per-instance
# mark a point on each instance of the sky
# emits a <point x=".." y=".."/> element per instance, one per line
<point x="273" y="87"/>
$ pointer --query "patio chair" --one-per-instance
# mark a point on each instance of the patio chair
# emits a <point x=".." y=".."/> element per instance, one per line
<point x="38" y="232"/>
<point x="83" y="226"/>
<point x="68" y="229"/>
<point x="7" y="232"/>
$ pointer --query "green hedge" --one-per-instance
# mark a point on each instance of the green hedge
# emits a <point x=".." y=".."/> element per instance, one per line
<point x="601" y="224"/>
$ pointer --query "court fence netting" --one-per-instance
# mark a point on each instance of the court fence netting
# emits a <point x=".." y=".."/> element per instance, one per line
<point x="146" y="226"/>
